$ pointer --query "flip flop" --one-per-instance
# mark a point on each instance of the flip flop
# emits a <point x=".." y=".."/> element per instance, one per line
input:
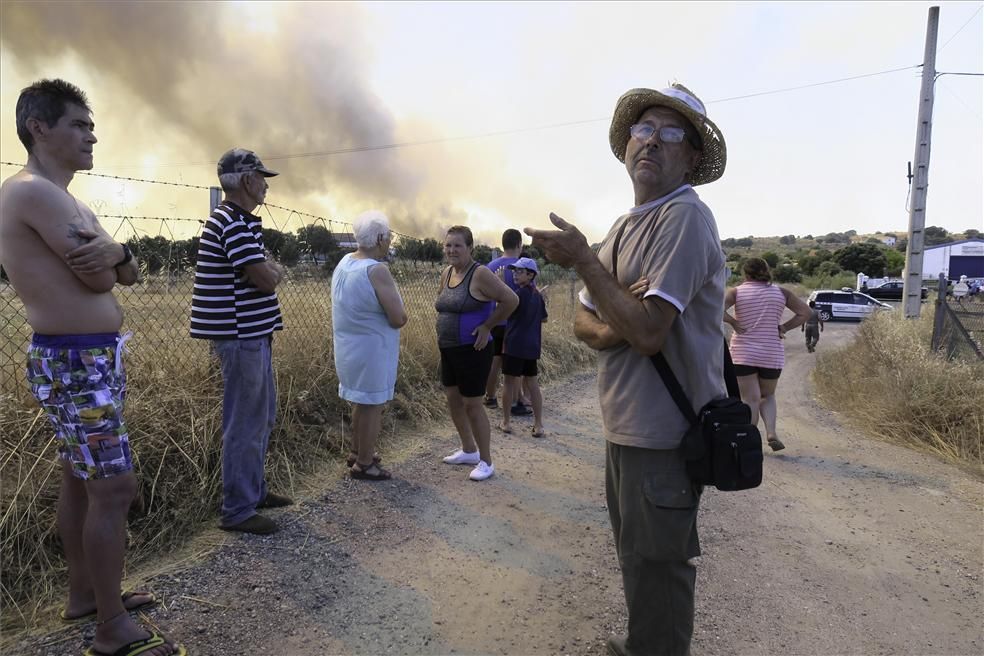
<point x="537" y="433"/>
<point x="124" y="597"/>
<point x="504" y="429"/>
<point x="138" y="647"/>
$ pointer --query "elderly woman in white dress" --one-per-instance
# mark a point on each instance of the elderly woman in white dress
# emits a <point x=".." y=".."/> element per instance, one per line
<point x="366" y="314"/>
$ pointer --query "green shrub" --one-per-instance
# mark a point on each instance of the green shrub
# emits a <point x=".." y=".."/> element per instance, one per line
<point x="787" y="273"/>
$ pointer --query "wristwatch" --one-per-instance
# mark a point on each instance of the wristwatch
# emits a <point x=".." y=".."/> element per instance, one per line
<point x="127" y="256"/>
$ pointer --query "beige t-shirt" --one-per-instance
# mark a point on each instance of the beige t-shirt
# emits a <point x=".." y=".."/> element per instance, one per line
<point x="674" y="243"/>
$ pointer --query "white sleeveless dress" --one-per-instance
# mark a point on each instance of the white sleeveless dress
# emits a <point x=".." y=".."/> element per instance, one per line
<point x="367" y="348"/>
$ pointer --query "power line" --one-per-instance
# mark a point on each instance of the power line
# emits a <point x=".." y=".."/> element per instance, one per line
<point x="359" y="149"/>
<point x="961" y="28"/>
<point x="960" y="100"/>
<point x="498" y="133"/>
<point x="818" y="84"/>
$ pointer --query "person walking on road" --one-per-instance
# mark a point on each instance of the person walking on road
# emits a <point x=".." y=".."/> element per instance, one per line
<point x="757" y="346"/>
<point x="812" y="328"/>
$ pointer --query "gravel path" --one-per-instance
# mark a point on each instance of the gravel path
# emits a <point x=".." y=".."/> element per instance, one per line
<point x="851" y="546"/>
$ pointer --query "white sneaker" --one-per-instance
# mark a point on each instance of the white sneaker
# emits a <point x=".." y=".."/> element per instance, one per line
<point x="482" y="471"/>
<point x="460" y="457"/>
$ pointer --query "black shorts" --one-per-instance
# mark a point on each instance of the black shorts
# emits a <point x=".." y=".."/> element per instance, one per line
<point x="518" y="366"/>
<point x="763" y="373"/>
<point x="467" y="369"/>
<point x="498" y="338"/>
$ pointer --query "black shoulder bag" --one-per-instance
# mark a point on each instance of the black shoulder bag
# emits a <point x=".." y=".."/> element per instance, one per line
<point x="722" y="448"/>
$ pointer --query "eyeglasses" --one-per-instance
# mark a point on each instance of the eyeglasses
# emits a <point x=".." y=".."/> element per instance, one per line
<point x="645" y="131"/>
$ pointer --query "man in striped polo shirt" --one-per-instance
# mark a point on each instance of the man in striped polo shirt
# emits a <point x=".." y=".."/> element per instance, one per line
<point x="235" y="306"/>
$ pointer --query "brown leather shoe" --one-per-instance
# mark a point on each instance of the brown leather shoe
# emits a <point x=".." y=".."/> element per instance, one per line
<point x="616" y="646"/>
<point x="257" y="524"/>
<point x="272" y="500"/>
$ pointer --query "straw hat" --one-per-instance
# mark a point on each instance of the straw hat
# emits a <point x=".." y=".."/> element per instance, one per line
<point x="633" y="103"/>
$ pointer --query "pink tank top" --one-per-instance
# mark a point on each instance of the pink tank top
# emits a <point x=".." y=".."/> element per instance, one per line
<point x="758" y="308"/>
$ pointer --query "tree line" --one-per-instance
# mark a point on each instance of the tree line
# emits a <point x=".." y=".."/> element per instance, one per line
<point x="872" y="257"/>
<point x="316" y="245"/>
<point x="312" y="244"/>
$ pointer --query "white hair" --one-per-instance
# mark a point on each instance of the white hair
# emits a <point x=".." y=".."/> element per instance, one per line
<point x="232" y="181"/>
<point x="369" y="227"/>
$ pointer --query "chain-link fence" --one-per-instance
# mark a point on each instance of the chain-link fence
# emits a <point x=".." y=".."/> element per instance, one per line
<point x="174" y="390"/>
<point x="958" y="328"/>
<point x="158" y="308"/>
<point x="173" y="403"/>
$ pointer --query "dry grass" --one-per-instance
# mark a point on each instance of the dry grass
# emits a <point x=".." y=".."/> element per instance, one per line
<point x="173" y="412"/>
<point x="889" y="384"/>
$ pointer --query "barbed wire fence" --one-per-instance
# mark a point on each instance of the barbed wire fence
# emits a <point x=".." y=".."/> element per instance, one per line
<point x="158" y="308"/>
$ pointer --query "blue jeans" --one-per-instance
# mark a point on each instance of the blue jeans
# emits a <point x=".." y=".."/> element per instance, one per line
<point x="249" y="408"/>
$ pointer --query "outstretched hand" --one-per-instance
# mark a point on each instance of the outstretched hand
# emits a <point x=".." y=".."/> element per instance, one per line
<point x="566" y="246"/>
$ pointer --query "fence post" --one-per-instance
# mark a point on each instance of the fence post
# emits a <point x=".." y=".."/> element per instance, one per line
<point x="938" y="316"/>
<point x="214" y="198"/>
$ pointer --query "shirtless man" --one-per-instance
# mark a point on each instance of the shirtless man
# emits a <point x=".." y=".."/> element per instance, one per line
<point x="63" y="266"/>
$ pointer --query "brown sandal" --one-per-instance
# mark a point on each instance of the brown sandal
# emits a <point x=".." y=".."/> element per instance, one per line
<point x="376" y="459"/>
<point x="366" y="473"/>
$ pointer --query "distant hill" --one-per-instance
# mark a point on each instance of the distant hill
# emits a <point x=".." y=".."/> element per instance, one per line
<point x="832" y="241"/>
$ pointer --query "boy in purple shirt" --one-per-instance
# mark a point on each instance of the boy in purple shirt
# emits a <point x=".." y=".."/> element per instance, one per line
<point x="521" y="346"/>
<point x="512" y="244"/>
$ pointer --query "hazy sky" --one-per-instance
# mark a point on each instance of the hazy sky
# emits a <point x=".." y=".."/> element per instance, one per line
<point x="513" y="101"/>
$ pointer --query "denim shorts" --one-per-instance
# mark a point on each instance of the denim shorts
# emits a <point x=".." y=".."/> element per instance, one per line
<point x="80" y="383"/>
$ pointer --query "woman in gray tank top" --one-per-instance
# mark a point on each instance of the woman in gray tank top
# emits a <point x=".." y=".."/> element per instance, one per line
<point x="470" y="302"/>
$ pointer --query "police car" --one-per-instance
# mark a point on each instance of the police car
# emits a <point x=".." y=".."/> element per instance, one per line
<point x="845" y="304"/>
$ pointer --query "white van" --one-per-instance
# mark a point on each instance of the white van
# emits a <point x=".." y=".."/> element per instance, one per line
<point x="846" y="305"/>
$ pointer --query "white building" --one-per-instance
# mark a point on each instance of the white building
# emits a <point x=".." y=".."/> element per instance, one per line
<point x="955" y="259"/>
<point x="888" y="241"/>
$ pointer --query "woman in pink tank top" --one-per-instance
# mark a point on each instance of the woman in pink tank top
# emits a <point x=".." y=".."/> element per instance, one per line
<point x="757" y="348"/>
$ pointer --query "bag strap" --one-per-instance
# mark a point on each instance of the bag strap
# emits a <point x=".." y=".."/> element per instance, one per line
<point x="730" y="377"/>
<point x="673" y="387"/>
<point x="676" y="392"/>
<point x="663" y="367"/>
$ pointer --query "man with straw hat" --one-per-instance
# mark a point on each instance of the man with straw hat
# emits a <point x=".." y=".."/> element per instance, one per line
<point x="667" y="249"/>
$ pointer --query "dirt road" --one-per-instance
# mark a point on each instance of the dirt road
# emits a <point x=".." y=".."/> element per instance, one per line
<point x="851" y="546"/>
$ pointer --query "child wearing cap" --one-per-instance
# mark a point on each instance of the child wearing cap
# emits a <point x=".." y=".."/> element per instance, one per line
<point x="521" y="347"/>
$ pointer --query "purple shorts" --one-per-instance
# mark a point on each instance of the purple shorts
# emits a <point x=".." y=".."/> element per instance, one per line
<point x="80" y="383"/>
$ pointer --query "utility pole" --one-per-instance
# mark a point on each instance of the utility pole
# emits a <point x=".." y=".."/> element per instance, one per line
<point x="911" y="290"/>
